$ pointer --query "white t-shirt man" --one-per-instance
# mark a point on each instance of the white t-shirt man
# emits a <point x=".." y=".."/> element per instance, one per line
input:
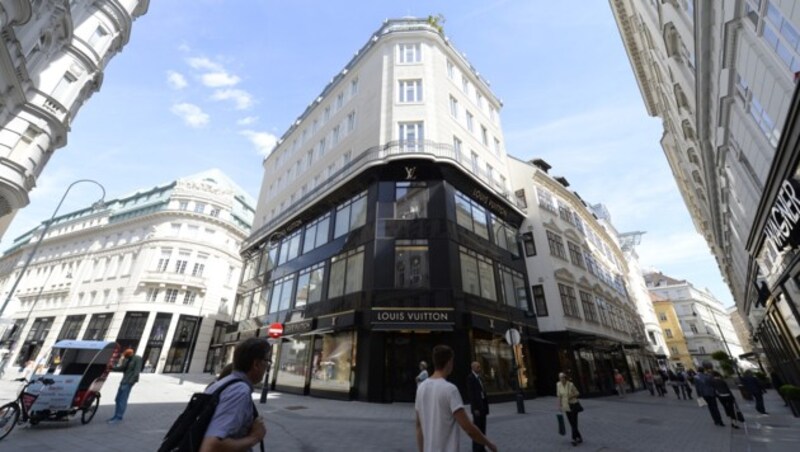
<point x="437" y="400"/>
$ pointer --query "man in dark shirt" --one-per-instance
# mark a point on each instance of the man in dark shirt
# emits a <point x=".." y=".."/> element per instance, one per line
<point x="131" y="367"/>
<point x="754" y="387"/>
<point x="479" y="404"/>
<point x="702" y="383"/>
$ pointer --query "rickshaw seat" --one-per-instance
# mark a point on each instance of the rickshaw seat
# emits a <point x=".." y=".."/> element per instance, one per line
<point x="92" y="373"/>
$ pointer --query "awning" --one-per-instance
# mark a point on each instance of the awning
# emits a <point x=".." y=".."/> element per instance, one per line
<point x="412" y="327"/>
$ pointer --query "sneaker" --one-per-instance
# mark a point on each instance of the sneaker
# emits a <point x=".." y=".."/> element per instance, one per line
<point x="114" y="420"/>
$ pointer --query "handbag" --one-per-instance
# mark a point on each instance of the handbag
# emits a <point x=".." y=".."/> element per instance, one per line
<point x="562" y="429"/>
<point x="701" y="402"/>
<point x="576" y="407"/>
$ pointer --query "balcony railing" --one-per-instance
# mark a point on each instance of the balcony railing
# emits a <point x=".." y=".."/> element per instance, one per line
<point x="181" y="279"/>
<point x="388" y="151"/>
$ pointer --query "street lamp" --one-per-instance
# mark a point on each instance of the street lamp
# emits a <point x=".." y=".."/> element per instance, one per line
<point x="724" y="341"/>
<point x="99" y="204"/>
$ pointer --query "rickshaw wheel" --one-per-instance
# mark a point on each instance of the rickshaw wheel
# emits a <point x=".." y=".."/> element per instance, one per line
<point x="9" y="415"/>
<point x="90" y="409"/>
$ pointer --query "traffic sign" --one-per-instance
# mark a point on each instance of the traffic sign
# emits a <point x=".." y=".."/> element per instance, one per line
<point x="275" y="330"/>
<point x="512" y="336"/>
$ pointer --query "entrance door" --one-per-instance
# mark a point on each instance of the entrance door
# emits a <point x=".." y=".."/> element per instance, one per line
<point x="404" y="351"/>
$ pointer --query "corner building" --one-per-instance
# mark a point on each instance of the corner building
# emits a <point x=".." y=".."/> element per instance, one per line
<point x="384" y="226"/>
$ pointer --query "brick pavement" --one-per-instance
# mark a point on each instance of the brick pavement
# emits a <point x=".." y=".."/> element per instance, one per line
<point x="637" y="422"/>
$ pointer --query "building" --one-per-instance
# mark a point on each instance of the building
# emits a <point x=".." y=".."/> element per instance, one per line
<point x="384" y="226"/>
<point x="721" y="75"/>
<point x="741" y="329"/>
<point x="679" y="356"/>
<point x="578" y="275"/>
<point x="703" y="320"/>
<point x="155" y="270"/>
<point x="51" y="61"/>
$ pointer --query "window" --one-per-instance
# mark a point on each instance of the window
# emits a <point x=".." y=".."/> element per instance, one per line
<point x="411" y="268"/>
<point x="316" y="233"/>
<point x="351" y="121"/>
<point x="353" y="87"/>
<point x="412" y="136"/>
<point x="469" y="122"/>
<point x="163" y="261"/>
<point x="322" y="147"/>
<point x="64" y="88"/>
<point x="497" y="147"/>
<point x="529" y="244"/>
<point x="504" y="235"/>
<point x="457" y="148"/>
<point x="170" y="295"/>
<point x="197" y="271"/>
<point x="539" y="300"/>
<point x="693" y="327"/>
<point x="471" y="215"/>
<point x="340" y="101"/>
<point x="199" y="207"/>
<point x="411" y="200"/>
<point x="281" y="294"/>
<point x="290" y="247"/>
<point x="668" y="332"/>
<point x="545" y="199"/>
<point x="214" y="212"/>
<point x="589" y="309"/>
<point x="475" y="162"/>
<point x="409" y="91"/>
<point x="556" y="244"/>
<point x="335" y="135"/>
<point x="464" y="84"/>
<point x="512" y="284"/>
<point x="477" y="274"/>
<point x="575" y="254"/>
<point x="309" y="285"/>
<point x="568" y="301"/>
<point x="347" y="273"/>
<point x="702" y="350"/>
<point x="98" y="36"/>
<point x="351" y="215"/>
<point x="181" y="262"/>
<point x="662" y="316"/>
<point x="409" y="53"/>
<point x="188" y="298"/>
<point x="485" y="136"/>
<point x="450" y="69"/>
<point x="479" y="100"/>
<point x="327" y="114"/>
<point x="152" y="294"/>
<point x="98" y="327"/>
<point x="674" y="350"/>
<point x="183" y="205"/>
<point x="71" y="328"/>
<point x="453" y="107"/>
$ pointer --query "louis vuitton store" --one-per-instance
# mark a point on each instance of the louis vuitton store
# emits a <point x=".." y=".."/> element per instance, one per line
<point x="370" y="278"/>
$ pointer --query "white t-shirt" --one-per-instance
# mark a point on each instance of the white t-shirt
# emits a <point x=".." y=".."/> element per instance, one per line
<point x="437" y="400"/>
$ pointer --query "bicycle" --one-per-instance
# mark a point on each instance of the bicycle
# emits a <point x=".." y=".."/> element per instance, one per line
<point x="9" y="413"/>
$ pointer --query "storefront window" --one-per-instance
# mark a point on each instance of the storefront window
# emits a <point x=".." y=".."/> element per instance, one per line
<point x="294" y="362"/>
<point x="411" y="264"/>
<point x="411" y="200"/>
<point x="281" y="294"/>
<point x="132" y="328"/>
<point x="309" y="285"/>
<point x="98" y="326"/>
<point x="178" y="355"/>
<point x="332" y="362"/>
<point x="497" y="363"/>
<point x="347" y="273"/>
<point x="71" y="328"/>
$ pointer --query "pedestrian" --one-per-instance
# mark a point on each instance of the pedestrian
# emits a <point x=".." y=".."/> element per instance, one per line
<point x="619" y="383"/>
<point x="658" y="381"/>
<point x="683" y="385"/>
<point x="439" y="409"/>
<point x="648" y="381"/>
<point x="755" y="388"/>
<point x="479" y="403"/>
<point x="423" y="372"/>
<point x="567" y="395"/>
<point x="702" y="383"/>
<point x="673" y="383"/>
<point x="131" y="367"/>
<point x="235" y="424"/>
<point x="725" y="397"/>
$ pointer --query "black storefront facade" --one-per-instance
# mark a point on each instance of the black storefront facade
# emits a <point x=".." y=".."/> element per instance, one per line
<point x="773" y="291"/>
<point x="406" y="255"/>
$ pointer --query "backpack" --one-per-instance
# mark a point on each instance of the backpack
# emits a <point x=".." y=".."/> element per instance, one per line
<point x="188" y="431"/>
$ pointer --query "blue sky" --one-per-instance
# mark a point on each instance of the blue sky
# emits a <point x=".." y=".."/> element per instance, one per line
<point x="210" y="83"/>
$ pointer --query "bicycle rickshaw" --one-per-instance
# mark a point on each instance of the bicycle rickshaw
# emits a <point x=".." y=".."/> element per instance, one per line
<point x="71" y="383"/>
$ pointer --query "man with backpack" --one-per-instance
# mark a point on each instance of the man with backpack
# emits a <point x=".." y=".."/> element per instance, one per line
<point x="224" y="418"/>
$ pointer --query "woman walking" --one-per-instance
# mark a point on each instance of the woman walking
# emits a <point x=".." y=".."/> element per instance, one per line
<point x="567" y="395"/>
<point x="725" y="397"/>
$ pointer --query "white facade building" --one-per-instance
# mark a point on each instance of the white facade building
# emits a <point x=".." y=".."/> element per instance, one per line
<point x="141" y="271"/>
<point x="52" y="58"/>
<point x="704" y="321"/>
<point x="579" y="280"/>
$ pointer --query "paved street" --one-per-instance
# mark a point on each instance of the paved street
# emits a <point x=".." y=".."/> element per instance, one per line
<point x="638" y="422"/>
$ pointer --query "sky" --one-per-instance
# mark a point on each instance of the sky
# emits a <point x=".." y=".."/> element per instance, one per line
<point x="211" y="83"/>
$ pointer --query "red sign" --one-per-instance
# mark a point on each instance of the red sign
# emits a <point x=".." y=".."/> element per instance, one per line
<point x="275" y="330"/>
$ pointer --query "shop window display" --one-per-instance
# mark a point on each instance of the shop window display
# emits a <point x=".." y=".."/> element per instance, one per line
<point x="332" y="362"/>
<point x="293" y="365"/>
<point x="497" y="362"/>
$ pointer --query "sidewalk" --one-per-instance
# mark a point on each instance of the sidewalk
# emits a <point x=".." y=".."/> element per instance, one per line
<point x="637" y="422"/>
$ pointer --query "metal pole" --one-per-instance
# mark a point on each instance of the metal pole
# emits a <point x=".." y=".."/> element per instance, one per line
<point x="265" y="385"/>
<point x="47" y="225"/>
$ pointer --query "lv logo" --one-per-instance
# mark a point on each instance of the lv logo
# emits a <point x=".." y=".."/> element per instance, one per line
<point x="411" y="173"/>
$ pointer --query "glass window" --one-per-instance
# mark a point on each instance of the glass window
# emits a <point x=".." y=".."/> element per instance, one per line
<point x="351" y="215"/>
<point x="539" y="300"/>
<point x="409" y="91"/>
<point x="336" y="285"/>
<point x="471" y="215"/>
<point x="410" y="53"/>
<point x="453" y="107"/>
<point x="477" y="274"/>
<point x="347" y="273"/>
<point x="469" y="122"/>
<point x="411" y="267"/>
<point x="294" y="360"/>
<point x="97" y="328"/>
<point x="529" y="243"/>
<point x="332" y="362"/>
<point x="290" y="247"/>
<point x="71" y="328"/>
<point x="504" y="235"/>
<point x="411" y="136"/>
<point x="568" y="301"/>
<point x="411" y="200"/>
<point x="281" y="294"/>
<point x="589" y="310"/>
<point x="309" y="285"/>
<point x="556" y="244"/>
<point x="316" y="233"/>
<point x="575" y="254"/>
<point x="512" y="284"/>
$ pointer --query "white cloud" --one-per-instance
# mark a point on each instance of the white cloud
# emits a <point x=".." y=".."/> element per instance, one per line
<point x="263" y="141"/>
<point x="241" y="98"/>
<point x="176" y="80"/>
<point x="202" y="63"/>
<point x="250" y="120"/>
<point x="218" y="79"/>
<point x="184" y="48"/>
<point x="191" y="114"/>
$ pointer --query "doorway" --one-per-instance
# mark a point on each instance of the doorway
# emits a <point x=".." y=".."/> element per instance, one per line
<point x="403" y="352"/>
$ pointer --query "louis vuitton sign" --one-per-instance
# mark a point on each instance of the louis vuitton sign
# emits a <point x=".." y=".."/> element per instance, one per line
<point x="412" y="318"/>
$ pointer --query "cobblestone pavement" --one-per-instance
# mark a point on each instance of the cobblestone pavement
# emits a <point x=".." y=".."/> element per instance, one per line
<point x="637" y="422"/>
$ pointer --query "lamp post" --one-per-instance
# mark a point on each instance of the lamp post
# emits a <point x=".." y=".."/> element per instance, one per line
<point x="724" y="341"/>
<point x="99" y="204"/>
